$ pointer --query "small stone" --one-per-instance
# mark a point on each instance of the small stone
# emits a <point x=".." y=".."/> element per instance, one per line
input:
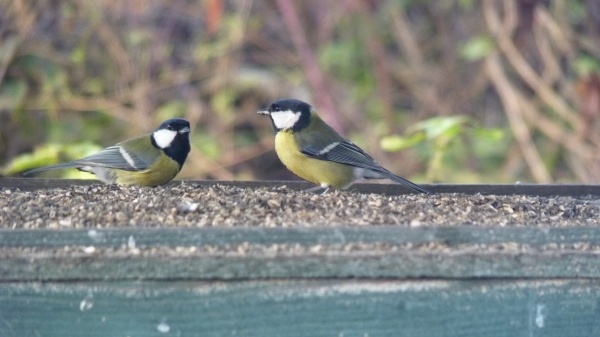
<point x="65" y="222"/>
<point x="89" y="249"/>
<point x="187" y="207"/>
<point x="415" y="223"/>
<point x="274" y="203"/>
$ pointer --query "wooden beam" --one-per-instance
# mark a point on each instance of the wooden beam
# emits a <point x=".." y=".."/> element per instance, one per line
<point x="456" y="280"/>
<point x="261" y="236"/>
<point x="299" y="253"/>
<point x="519" y="308"/>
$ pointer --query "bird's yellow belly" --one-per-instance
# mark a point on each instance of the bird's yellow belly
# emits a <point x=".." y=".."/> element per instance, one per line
<point x="316" y="171"/>
<point x="151" y="177"/>
<point x="143" y="178"/>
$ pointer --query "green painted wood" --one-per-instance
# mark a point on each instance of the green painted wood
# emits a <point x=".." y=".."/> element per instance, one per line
<point x="463" y="252"/>
<point x="30" y="184"/>
<point x="519" y="308"/>
<point x="124" y="265"/>
<point x="464" y="288"/>
<point x="306" y="236"/>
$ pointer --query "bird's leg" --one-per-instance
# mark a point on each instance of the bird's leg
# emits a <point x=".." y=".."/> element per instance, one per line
<point x="313" y="189"/>
<point x="317" y="188"/>
<point x="326" y="190"/>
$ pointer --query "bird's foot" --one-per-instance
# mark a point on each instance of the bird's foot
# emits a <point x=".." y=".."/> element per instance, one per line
<point x="326" y="189"/>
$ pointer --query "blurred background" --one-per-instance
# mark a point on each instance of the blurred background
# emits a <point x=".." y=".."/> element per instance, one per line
<point x="461" y="91"/>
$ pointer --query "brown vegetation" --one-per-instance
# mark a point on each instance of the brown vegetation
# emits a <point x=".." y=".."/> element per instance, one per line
<point x="102" y="71"/>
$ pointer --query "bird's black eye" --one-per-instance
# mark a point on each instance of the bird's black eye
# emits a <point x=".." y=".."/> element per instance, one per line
<point x="170" y="127"/>
<point x="276" y="108"/>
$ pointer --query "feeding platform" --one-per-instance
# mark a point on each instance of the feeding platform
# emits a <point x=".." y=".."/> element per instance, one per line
<point x="206" y="258"/>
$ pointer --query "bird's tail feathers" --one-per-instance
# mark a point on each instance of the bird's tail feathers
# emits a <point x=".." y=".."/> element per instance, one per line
<point x="51" y="167"/>
<point x="387" y="174"/>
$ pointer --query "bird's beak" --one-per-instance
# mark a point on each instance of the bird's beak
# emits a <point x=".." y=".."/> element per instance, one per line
<point x="264" y="111"/>
<point x="184" y="130"/>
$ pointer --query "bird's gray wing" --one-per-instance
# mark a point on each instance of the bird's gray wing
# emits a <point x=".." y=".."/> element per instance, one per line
<point x="115" y="157"/>
<point x="343" y="152"/>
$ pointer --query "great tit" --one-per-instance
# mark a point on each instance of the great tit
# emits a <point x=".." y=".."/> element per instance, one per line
<point x="148" y="160"/>
<point x="314" y="151"/>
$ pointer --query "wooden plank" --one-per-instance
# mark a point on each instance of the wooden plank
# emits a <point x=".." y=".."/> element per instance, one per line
<point x="31" y="184"/>
<point x="334" y="281"/>
<point x="519" y="308"/>
<point x="231" y="265"/>
<point x="392" y="235"/>
<point x="265" y="253"/>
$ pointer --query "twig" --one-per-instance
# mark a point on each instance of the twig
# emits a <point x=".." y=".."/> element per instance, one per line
<point x="313" y="72"/>
<point x="413" y="74"/>
<point x="515" y="119"/>
<point x="518" y="62"/>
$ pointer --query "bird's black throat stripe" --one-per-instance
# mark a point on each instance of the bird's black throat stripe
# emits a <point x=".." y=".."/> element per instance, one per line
<point x="153" y="141"/>
<point x="303" y="121"/>
<point x="178" y="150"/>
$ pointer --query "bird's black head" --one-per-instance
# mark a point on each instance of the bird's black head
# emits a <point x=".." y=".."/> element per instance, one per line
<point x="288" y="114"/>
<point x="173" y="137"/>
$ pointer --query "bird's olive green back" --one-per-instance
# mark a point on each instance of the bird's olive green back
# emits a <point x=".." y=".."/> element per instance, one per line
<point x="143" y="148"/>
<point x="317" y="134"/>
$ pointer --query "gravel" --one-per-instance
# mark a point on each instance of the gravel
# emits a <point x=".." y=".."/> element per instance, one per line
<point x="192" y="205"/>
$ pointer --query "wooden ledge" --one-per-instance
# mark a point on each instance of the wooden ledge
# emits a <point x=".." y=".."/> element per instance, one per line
<point x="30" y="184"/>
<point x="457" y="252"/>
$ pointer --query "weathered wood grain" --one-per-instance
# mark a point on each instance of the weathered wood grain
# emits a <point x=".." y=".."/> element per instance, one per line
<point x="306" y="236"/>
<point x="44" y="266"/>
<point x="401" y="265"/>
<point x="515" y="308"/>
<point x="464" y="253"/>
<point x="329" y="281"/>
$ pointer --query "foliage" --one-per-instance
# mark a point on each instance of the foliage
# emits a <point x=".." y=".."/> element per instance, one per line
<point x="50" y="154"/>
<point x="481" y="90"/>
<point x="455" y="148"/>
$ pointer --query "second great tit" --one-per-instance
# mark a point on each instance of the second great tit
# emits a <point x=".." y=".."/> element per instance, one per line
<point x="148" y="160"/>
<point x="314" y="151"/>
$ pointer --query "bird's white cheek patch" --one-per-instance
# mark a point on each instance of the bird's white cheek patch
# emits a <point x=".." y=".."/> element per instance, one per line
<point x="285" y="119"/>
<point x="164" y="138"/>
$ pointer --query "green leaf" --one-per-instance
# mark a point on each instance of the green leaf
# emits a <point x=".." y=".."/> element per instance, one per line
<point x="467" y="4"/>
<point x="79" y="54"/>
<point x="447" y="126"/>
<point x="585" y="65"/>
<point x="493" y="134"/>
<point x="208" y="145"/>
<point x="397" y="143"/>
<point x="12" y="93"/>
<point x="222" y="103"/>
<point x="94" y="86"/>
<point x="171" y="109"/>
<point x="79" y="150"/>
<point x="477" y="48"/>
<point x="41" y="156"/>
<point x="49" y="154"/>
